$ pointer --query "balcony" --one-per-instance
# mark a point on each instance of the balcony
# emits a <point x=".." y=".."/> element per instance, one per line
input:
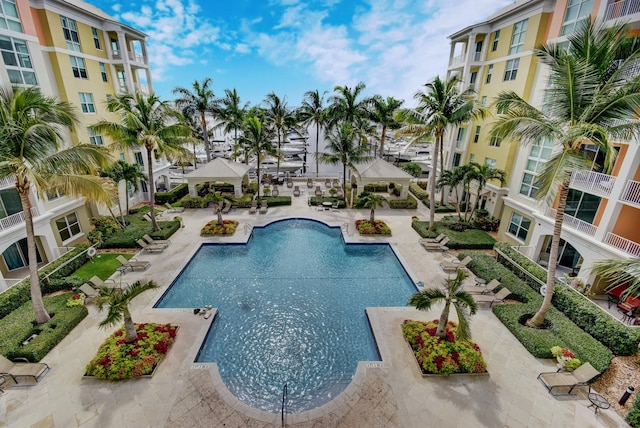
<point x="7" y="182"/>
<point x="619" y="9"/>
<point x="459" y="60"/>
<point x="623" y="244"/>
<point x="477" y="56"/>
<point x="631" y="193"/>
<point x="15" y="219"/>
<point x="574" y="223"/>
<point x="593" y="182"/>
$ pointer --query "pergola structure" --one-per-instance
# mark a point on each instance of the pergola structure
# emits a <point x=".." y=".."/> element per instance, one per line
<point x="377" y="171"/>
<point x="219" y="170"/>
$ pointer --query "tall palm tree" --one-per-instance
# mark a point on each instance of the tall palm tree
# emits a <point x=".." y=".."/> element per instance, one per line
<point x="280" y="118"/>
<point x="453" y="179"/>
<point x="482" y="174"/>
<point x="231" y="113"/>
<point x="33" y="152"/>
<point x="199" y="101"/>
<point x="346" y="107"/>
<point x="118" y="301"/>
<point x="257" y="138"/>
<point x="370" y="200"/>
<point x="312" y="110"/>
<point x="145" y="120"/>
<point x="620" y="271"/>
<point x="344" y="149"/>
<point x="383" y="113"/>
<point x="440" y="106"/>
<point x="593" y="96"/>
<point x="451" y="294"/>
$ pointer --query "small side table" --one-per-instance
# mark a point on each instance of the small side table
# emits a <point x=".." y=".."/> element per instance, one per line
<point x="2" y="381"/>
<point x="598" y="401"/>
<point x="480" y="282"/>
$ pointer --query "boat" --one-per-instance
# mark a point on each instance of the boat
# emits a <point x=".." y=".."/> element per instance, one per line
<point x="270" y="164"/>
<point x="423" y="160"/>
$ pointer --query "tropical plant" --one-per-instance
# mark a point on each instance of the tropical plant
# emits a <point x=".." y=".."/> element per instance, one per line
<point x="412" y="169"/>
<point x="231" y="113"/>
<point x="346" y="107"/>
<point x="145" y="121"/>
<point x="452" y="179"/>
<point x="620" y="271"/>
<point x="256" y="137"/>
<point x="131" y="174"/>
<point x="118" y="301"/>
<point x="344" y="149"/>
<point x="451" y="294"/>
<point x="312" y="110"/>
<point x="382" y="111"/>
<point x="200" y="101"/>
<point x="592" y="98"/>
<point x="440" y="106"/>
<point x="280" y="118"/>
<point x="33" y="152"/>
<point x="370" y="200"/>
<point x="482" y="174"/>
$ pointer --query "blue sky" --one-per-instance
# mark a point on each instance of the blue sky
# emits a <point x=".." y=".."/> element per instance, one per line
<point x="292" y="46"/>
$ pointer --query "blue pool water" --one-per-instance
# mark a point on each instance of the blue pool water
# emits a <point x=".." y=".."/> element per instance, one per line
<point x="291" y="310"/>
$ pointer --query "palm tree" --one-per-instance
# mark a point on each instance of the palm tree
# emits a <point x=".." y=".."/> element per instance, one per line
<point x="482" y="174"/>
<point x="439" y="107"/>
<point x="343" y="149"/>
<point x="144" y="121"/>
<point x="370" y="200"/>
<point x="592" y="97"/>
<point x="32" y="151"/>
<point x="412" y="169"/>
<point x="280" y="118"/>
<point x="453" y="178"/>
<point x="383" y="113"/>
<point x="346" y="107"/>
<point x="118" y="301"/>
<point x="312" y="111"/>
<point x="200" y="101"/>
<point x="257" y="138"/>
<point x="230" y="112"/>
<point x="620" y="271"/>
<point x="451" y="294"/>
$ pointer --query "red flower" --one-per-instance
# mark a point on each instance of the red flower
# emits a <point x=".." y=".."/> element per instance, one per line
<point x="161" y="347"/>
<point x="567" y="353"/>
<point x="121" y="342"/>
<point x="118" y="333"/>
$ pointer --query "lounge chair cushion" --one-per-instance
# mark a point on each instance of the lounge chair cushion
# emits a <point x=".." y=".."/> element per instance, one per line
<point x="17" y="370"/>
<point x="579" y="377"/>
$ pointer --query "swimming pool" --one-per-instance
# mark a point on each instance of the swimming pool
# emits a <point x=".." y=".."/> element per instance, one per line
<point x="291" y="310"/>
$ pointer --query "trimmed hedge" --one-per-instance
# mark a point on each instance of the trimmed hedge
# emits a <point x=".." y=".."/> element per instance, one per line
<point x="376" y="187"/>
<point x="561" y="332"/>
<point x="136" y="229"/>
<point x="318" y="200"/>
<point x="633" y="417"/>
<point x="172" y="195"/>
<point x="19" y="325"/>
<point x="275" y="201"/>
<point x="410" y="203"/>
<point x="194" y="202"/>
<point x="418" y="191"/>
<point x="471" y="239"/>
<point x="620" y="338"/>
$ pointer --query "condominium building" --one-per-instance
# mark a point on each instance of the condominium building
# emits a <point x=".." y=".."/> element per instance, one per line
<point x="601" y="208"/>
<point x="79" y="54"/>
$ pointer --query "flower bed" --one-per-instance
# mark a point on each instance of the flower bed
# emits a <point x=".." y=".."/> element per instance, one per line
<point x="228" y="227"/>
<point x="118" y="360"/>
<point x="378" y="227"/>
<point x="442" y="356"/>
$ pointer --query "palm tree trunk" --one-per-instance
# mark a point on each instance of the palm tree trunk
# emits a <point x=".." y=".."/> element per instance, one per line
<point x="207" y="147"/>
<point x="126" y="202"/>
<point x="458" y="203"/>
<point x="152" y="190"/>
<point x="39" y="310"/>
<point x="220" y="212"/>
<point x="344" y="180"/>
<point x="278" y="160"/>
<point x="538" y="319"/>
<point x="432" y="187"/>
<point x="130" y="333"/>
<point x="384" y="133"/>
<point x="441" y="331"/>
<point x="317" y="145"/>
<point x="372" y="218"/>
<point x="441" y="166"/>
<point x="258" y="172"/>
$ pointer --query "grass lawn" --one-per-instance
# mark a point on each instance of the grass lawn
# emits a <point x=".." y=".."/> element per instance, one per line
<point x="103" y="266"/>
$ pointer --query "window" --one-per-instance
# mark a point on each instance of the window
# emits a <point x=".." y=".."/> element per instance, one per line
<point x="86" y="102"/>
<point x="476" y="137"/>
<point x="577" y="11"/>
<point x="52" y="195"/>
<point x="460" y="137"/>
<point x="539" y="154"/>
<point x="472" y="157"/>
<point x="68" y="226"/>
<point x="9" y="18"/>
<point x="483" y="102"/>
<point x="517" y="40"/>
<point x="95" y="138"/>
<point x="490" y="162"/>
<point x="478" y="54"/>
<point x="15" y="55"/>
<point x="456" y="159"/>
<point x="519" y="226"/>
<point x="511" y="70"/>
<point x="78" y="67"/>
<point x="474" y="76"/>
<point x="489" y="73"/>
<point x="70" y="34"/>
<point x="496" y="37"/>
<point x="103" y="72"/>
<point x="17" y="257"/>
<point x="96" y="38"/>
<point x="138" y="157"/>
<point x="115" y="47"/>
<point x="495" y="141"/>
<point x="122" y="80"/>
<point x="122" y="156"/>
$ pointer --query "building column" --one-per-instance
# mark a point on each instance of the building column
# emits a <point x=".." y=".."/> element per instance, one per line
<point x="126" y="64"/>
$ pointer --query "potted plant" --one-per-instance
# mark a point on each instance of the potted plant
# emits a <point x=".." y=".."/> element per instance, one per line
<point x="566" y="359"/>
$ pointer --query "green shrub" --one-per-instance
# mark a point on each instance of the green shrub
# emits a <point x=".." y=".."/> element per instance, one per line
<point x="410" y="203"/>
<point x="194" y="202"/>
<point x="95" y="237"/>
<point x="418" y="191"/>
<point x="19" y="325"/>
<point x="167" y="229"/>
<point x="243" y="202"/>
<point x="378" y="227"/>
<point x="620" y="338"/>
<point x="633" y="417"/>
<point x="318" y="200"/>
<point x="105" y="224"/>
<point x="138" y="227"/>
<point x="223" y="188"/>
<point x="488" y="224"/>
<point x="228" y="227"/>
<point x="64" y="265"/>
<point x="13" y="298"/>
<point x="275" y="201"/>
<point x="376" y="187"/>
<point x="172" y="195"/>
<point x="252" y="189"/>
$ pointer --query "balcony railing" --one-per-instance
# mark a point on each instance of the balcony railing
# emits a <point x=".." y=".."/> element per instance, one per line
<point x="457" y="60"/>
<point x="593" y="182"/>
<point x="7" y="182"/>
<point x="622" y="8"/>
<point x="631" y="192"/>
<point x="574" y="223"/>
<point x="15" y="219"/>
<point x="624" y="244"/>
<point x="477" y="56"/>
<point x="137" y="58"/>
